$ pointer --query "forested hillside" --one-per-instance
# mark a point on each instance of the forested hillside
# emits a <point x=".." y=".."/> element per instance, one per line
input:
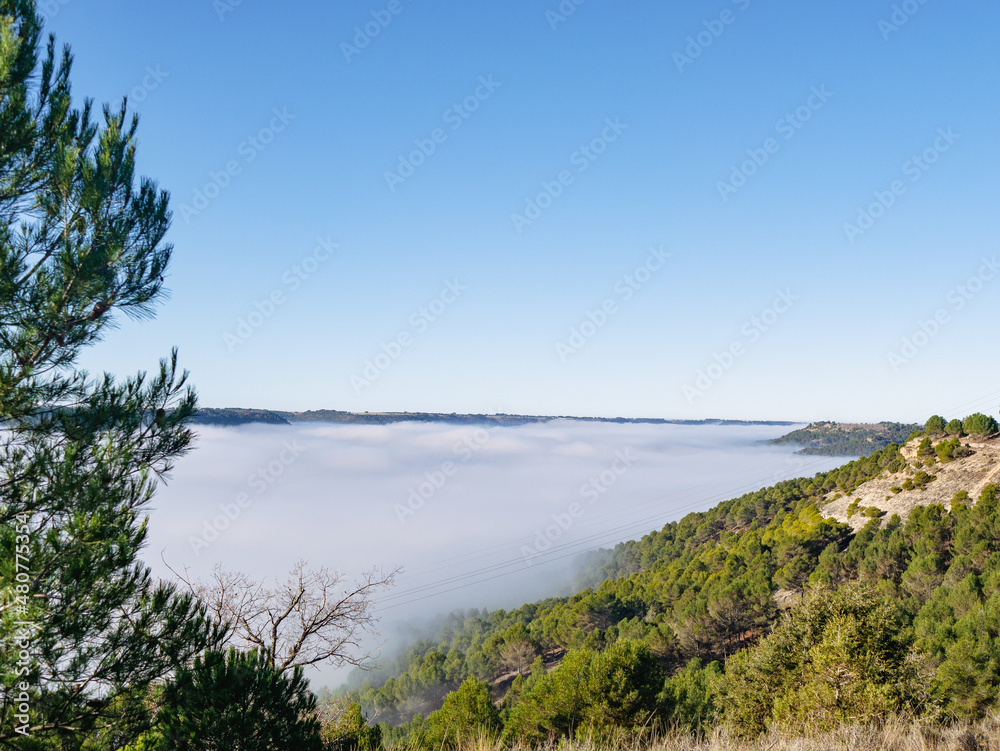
<point x="846" y="439"/>
<point x="763" y="612"/>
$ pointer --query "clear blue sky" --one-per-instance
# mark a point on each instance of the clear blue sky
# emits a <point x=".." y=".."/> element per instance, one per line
<point x="696" y="89"/>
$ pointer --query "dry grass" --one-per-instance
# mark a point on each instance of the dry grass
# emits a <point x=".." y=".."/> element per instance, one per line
<point x="894" y="735"/>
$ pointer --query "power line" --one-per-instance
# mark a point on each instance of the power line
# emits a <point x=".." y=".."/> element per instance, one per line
<point x="723" y="494"/>
<point x="547" y="556"/>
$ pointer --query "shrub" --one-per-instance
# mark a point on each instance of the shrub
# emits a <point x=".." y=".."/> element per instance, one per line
<point x="961" y="499"/>
<point x="836" y="658"/>
<point x="920" y="480"/>
<point x="925" y="449"/>
<point x="954" y="427"/>
<point x="945" y="450"/>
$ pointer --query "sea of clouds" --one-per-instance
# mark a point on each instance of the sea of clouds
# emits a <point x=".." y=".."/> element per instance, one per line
<point x="476" y="517"/>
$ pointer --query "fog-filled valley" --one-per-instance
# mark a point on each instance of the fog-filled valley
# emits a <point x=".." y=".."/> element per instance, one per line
<point x="476" y="517"/>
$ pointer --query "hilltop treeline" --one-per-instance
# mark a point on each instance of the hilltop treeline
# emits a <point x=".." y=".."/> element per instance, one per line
<point x="758" y="614"/>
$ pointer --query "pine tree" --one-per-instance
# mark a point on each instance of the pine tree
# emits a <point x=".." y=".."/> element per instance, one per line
<point x="85" y="629"/>
<point x="467" y="716"/>
<point x="979" y="425"/>
<point x="836" y="658"/>
<point x="238" y="702"/>
<point x="936" y="424"/>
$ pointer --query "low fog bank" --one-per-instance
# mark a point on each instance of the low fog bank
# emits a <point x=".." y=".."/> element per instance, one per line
<point x="476" y="517"/>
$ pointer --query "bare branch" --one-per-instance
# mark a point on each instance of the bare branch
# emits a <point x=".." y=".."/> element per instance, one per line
<point x="310" y="618"/>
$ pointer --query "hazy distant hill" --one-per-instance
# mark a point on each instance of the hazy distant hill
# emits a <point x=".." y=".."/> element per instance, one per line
<point x="847" y="439"/>
<point x="235" y="416"/>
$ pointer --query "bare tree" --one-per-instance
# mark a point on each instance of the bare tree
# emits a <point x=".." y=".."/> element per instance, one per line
<point x="315" y="616"/>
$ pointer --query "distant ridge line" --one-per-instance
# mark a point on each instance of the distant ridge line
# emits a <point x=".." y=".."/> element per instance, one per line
<point x="230" y="416"/>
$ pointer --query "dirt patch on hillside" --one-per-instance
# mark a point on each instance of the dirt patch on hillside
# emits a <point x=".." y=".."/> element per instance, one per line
<point x="551" y="659"/>
<point x="970" y="473"/>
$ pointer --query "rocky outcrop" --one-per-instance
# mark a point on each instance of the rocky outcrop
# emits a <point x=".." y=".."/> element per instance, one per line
<point x="970" y="473"/>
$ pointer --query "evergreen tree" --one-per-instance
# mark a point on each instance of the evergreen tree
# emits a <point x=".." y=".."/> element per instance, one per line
<point x="836" y="658"/>
<point x="85" y="628"/>
<point x="980" y="425"/>
<point x="468" y="715"/>
<point x="935" y="424"/>
<point x="688" y="698"/>
<point x="590" y="693"/>
<point x="238" y="702"/>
